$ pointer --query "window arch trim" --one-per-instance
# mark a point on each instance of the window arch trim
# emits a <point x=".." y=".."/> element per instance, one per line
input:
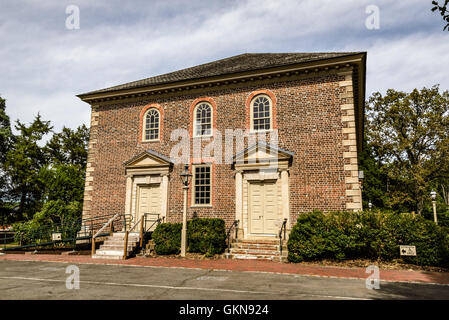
<point x="249" y="109"/>
<point x="193" y="107"/>
<point x="143" y="115"/>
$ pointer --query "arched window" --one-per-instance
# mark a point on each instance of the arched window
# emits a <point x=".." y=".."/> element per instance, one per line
<point x="151" y="125"/>
<point x="261" y="113"/>
<point x="202" y="119"/>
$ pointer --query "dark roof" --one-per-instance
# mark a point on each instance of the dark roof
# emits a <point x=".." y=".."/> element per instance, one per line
<point x="240" y="63"/>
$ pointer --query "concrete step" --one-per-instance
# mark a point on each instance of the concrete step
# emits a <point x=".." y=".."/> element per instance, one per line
<point x="254" y="257"/>
<point x="250" y="257"/>
<point x="114" y="257"/>
<point x="115" y="247"/>
<point x="122" y="235"/>
<point x="123" y="239"/>
<point x="109" y="252"/>
<point x="257" y="252"/>
<point x="119" y="242"/>
<point x="255" y="246"/>
<point x="264" y="241"/>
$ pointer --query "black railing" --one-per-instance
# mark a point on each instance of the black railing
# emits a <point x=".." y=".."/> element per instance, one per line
<point x="6" y="237"/>
<point x="283" y="230"/>
<point x="151" y="220"/>
<point x="81" y="229"/>
<point x="234" y="225"/>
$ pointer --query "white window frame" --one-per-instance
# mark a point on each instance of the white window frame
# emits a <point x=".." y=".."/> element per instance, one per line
<point x="252" y="113"/>
<point x="144" y="126"/>
<point x="195" y="132"/>
<point x="193" y="200"/>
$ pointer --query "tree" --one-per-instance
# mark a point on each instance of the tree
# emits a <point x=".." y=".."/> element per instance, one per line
<point x="63" y="178"/>
<point x="5" y="143"/>
<point x="23" y="163"/>
<point x="69" y="146"/>
<point x="443" y="11"/>
<point x="375" y="181"/>
<point x="410" y="133"/>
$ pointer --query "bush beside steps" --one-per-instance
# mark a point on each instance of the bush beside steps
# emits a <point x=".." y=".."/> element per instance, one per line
<point x="204" y="235"/>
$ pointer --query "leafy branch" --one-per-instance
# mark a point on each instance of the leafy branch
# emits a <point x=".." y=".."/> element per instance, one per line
<point x="443" y="11"/>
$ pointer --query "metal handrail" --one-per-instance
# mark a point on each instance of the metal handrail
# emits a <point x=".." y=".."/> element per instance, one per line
<point x="157" y="221"/>
<point x="105" y="225"/>
<point x="142" y="222"/>
<point x="283" y="228"/>
<point x="228" y="235"/>
<point x="81" y="229"/>
<point x="132" y="228"/>
<point x="109" y="222"/>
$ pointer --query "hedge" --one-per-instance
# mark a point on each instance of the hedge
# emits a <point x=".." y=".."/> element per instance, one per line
<point x="167" y="238"/>
<point x="204" y="235"/>
<point x="367" y="234"/>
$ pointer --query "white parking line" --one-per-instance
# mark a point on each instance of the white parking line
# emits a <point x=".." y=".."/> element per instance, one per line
<point x="183" y="288"/>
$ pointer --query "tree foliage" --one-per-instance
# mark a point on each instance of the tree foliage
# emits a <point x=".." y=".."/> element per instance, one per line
<point x="443" y="9"/>
<point x="24" y="160"/>
<point x="408" y="141"/>
<point x="5" y="142"/>
<point x="41" y="181"/>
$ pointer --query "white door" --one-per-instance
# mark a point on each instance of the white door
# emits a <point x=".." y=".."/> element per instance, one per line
<point x="263" y="208"/>
<point x="149" y="200"/>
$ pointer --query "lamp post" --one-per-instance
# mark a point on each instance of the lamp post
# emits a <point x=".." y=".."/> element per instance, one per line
<point x="433" y="195"/>
<point x="185" y="175"/>
<point x="370" y="205"/>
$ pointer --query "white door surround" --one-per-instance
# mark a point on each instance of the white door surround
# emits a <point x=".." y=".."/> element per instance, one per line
<point x="262" y="191"/>
<point x="147" y="177"/>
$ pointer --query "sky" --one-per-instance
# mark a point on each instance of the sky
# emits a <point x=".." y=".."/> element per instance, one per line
<point x="44" y="64"/>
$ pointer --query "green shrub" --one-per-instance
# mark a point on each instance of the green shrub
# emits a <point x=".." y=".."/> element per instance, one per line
<point x="206" y="235"/>
<point x="372" y="235"/>
<point x="167" y="238"/>
<point x="55" y="216"/>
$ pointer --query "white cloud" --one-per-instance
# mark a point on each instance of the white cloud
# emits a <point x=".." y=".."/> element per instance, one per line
<point x="44" y="65"/>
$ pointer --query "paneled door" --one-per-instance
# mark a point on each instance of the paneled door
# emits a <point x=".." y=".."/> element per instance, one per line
<point x="149" y="200"/>
<point x="263" y="208"/>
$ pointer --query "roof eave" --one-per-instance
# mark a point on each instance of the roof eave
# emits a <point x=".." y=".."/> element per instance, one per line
<point x="229" y="77"/>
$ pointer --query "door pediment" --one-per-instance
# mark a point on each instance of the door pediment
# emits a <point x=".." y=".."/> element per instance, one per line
<point x="148" y="159"/>
<point x="262" y="153"/>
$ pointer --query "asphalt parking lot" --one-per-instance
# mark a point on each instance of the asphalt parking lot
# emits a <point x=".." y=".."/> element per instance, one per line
<point x="54" y="280"/>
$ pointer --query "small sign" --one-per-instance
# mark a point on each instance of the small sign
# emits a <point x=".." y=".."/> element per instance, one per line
<point x="56" y="236"/>
<point x="407" y="250"/>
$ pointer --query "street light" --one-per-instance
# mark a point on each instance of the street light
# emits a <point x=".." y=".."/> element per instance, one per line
<point x="370" y="205"/>
<point x="185" y="175"/>
<point x="433" y="195"/>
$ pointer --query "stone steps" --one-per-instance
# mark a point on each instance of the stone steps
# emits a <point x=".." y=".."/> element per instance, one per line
<point x="264" y="249"/>
<point x="114" y="245"/>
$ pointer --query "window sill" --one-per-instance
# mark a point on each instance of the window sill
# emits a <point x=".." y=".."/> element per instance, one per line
<point x="201" y="206"/>
<point x="147" y="141"/>
<point x="261" y="131"/>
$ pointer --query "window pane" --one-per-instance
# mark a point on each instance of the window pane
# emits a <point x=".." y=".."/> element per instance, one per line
<point x="261" y="113"/>
<point x="202" y="185"/>
<point x="203" y="121"/>
<point x="152" y="125"/>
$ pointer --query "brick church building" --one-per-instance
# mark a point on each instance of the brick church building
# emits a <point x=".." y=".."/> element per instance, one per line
<point x="309" y="108"/>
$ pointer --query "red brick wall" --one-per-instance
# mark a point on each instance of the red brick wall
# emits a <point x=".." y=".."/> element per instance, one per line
<point x="308" y="118"/>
